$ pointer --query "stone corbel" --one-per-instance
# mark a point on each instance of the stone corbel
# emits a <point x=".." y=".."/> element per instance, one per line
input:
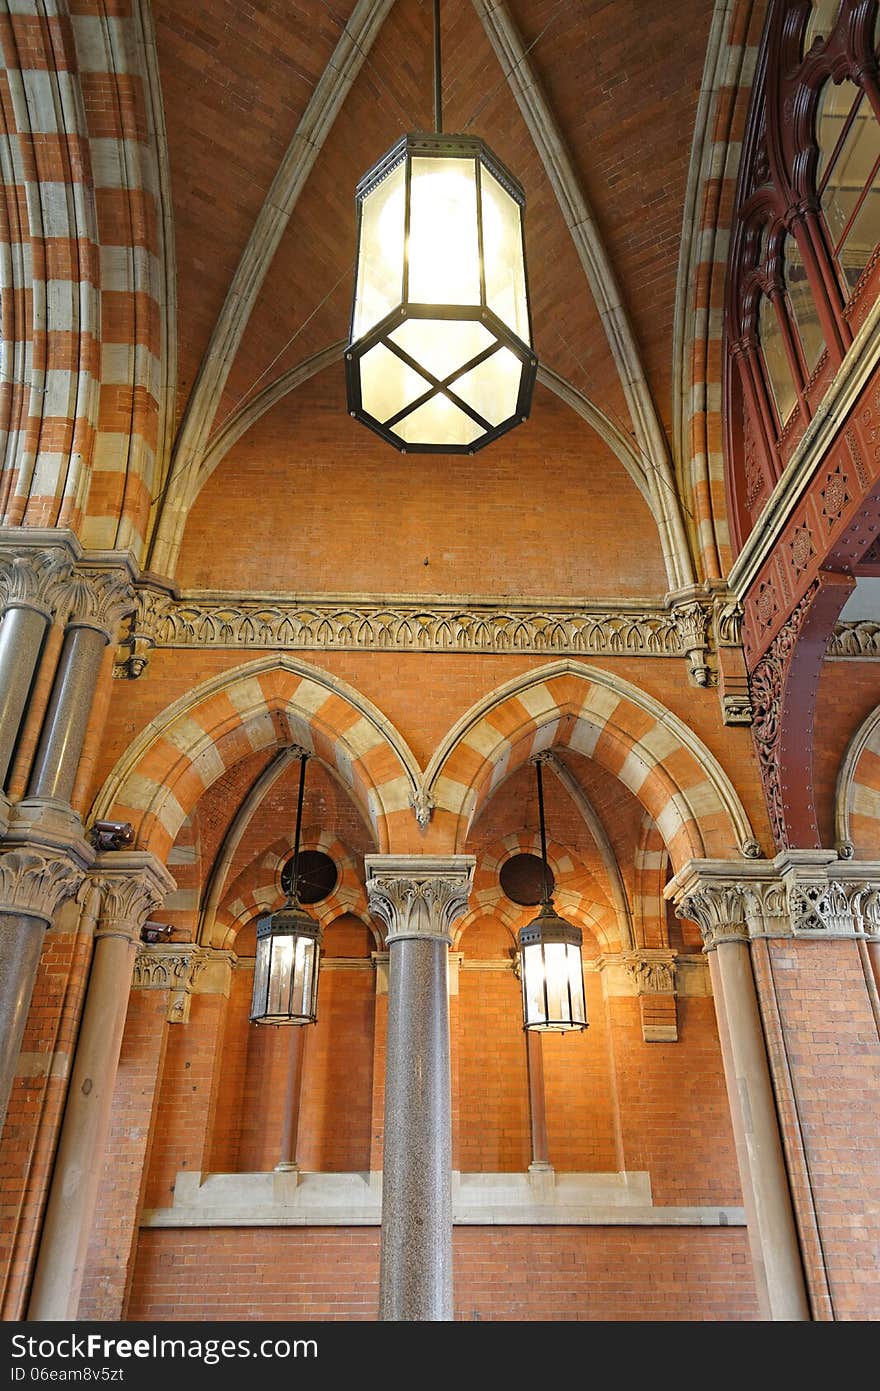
<point x="183" y="970"/>
<point x="733" y="676"/>
<point x="652" y="972"/>
<point x="691" y="613"/>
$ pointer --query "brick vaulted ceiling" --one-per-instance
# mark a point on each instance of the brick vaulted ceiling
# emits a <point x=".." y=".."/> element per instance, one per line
<point x="620" y="83"/>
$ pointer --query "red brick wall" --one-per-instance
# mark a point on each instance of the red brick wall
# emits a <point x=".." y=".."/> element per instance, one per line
<point x="675" y="1120"/>
<point x="587" y="1273"/>
<point x="831" y="1052"/>
<point x="848" y="692"/>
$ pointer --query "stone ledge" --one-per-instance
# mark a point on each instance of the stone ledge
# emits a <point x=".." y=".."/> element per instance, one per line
<point x="355" y="1199"/>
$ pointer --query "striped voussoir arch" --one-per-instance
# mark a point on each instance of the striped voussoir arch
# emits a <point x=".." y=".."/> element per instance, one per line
<point x="597" y="714"/>
<point x="726" y="92"/>
<point x="180" y="909"/>
<point x="257" y="889"/>
<point x="857" y="810"/>
<point x="81" y="272"/>
<point x="267" y="704"/>
<point x="650" y="864"/>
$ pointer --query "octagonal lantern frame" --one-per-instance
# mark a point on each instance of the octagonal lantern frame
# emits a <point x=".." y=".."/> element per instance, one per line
<point x="427" y="145"/>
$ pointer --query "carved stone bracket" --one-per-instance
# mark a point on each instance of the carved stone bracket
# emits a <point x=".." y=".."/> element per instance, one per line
<point x="422" y="803"/>
<point x="183" y="970"/>
<point x="692" y="625"/>
<point x="652" y="970"/>
<point x="419" y="896"/>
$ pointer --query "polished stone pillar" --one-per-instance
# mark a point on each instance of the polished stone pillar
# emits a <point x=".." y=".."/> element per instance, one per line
<point x="537" y="1101"/>
<point x="30" y="585"/>
<point x="130" y="885"/>
<point x="720" y="911"/>
<point x="418" y="898"/>
<point x="98" y="603"/>
<point x="33" y="882"/>
<point x="290" y="1123"/>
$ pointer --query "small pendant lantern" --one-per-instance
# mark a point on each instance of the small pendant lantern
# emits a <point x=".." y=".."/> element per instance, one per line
<point x="288" y="950"/>
<point x="551" y="969"/>
<point x="440" y="357"/>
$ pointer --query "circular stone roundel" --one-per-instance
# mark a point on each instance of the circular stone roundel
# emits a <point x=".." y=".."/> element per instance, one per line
<point x="522" y="879"/>
<point x="318" y="876"/>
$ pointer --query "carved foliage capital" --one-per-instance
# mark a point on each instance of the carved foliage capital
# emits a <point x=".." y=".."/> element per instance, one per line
<point x="719" y="910"/>
<point x="100" y="599"/>
<point x="422" y="903"/>
<point x="34" y="579"/>
<point x="34" y="882"/>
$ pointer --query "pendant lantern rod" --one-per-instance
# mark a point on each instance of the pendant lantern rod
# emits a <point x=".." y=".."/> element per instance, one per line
<point x="293" y="890"/>
<point x="438" y="73"/>
<point x="545" y="895"/>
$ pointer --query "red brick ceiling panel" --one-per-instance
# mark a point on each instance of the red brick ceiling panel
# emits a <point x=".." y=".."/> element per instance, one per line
<point x="514" y="807"/>
<point x="326" y="807"/>
<point x="623" y="78"/>
<point x="393" y="94"/>
<point x="217" y="808"/>
<point x="235" y="82"/>
<point x="310" y="500"/>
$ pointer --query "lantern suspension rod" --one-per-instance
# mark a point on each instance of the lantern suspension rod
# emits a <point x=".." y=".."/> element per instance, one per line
<point x="293" y="892"/>
<point x="545" y="898"/>
<point x="438" y="73"/>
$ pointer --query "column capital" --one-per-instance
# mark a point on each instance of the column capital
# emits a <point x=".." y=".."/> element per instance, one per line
<point x="183" y="969"/>
<point x="419" y="896"/>
<point x="34" y="579"/>
<point x="34" y="880"/>
<point x="131" y="884"/>
<point x="99" y="599"/>
<point x="809" y="894"/>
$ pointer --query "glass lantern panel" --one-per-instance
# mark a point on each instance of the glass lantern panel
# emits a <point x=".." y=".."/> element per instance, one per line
<point x="576" y="984"/>
<point x="776" y="360"/>
<point x="442" y="345"/>
<point x="859" y="244"/>
<point x="388" y="384"/>
<point x="556" y="966"/>
<point x="836" y="101"/>
<point x="533" y="985"/>
<point x="803" y="306"/>
<point x="379" y="286"/>
<point x="503" y="256"/>
<point x="300" y="1003"/>
<point x="851" y="171"/>
<point x="444" y="261"/>
<point x="261" y="977"/>
<point x="280" y="975"/>
<point x="492" y="387"/>
<point x="438" y="421"/>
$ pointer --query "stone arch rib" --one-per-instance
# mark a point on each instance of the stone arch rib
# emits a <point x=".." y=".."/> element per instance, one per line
<point x="269" y="703"/>
<point x="857" y="799"/>
<point x="593" y="712"/>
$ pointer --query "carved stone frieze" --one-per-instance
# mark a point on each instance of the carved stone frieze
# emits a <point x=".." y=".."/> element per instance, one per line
<point x="183" y="970"/>
<point x="833" y="909"/>
<point x="415" y="896"/>
<point x="651" y="970"/>
<point x="408" y="623"/>
<point x="35" y="579"/>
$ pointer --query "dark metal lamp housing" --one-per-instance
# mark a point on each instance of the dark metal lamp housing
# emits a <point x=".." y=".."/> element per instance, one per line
<point x="440" y="357"/>
<point x="551" y="969"/>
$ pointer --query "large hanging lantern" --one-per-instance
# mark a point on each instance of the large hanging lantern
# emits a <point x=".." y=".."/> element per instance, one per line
<point x="440" y="358"/>
<point x="288" y="951"/>
<point x="551" y="969"/>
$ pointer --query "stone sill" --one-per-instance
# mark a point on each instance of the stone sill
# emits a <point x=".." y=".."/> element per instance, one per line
<point x="538" y="1198"/>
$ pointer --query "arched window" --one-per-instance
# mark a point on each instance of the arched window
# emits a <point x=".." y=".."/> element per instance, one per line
<point x="804" y="266"/>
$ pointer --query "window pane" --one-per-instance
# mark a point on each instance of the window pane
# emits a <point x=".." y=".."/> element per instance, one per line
<point x="775" y="360"/>
<point x="862" y="238"/>
<point x="503" y="255"/>
<point x="803" y="308"/>
<point x="851" y="171"/>
<point x="821" y="21"/>
<point x="835" y="103"/>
